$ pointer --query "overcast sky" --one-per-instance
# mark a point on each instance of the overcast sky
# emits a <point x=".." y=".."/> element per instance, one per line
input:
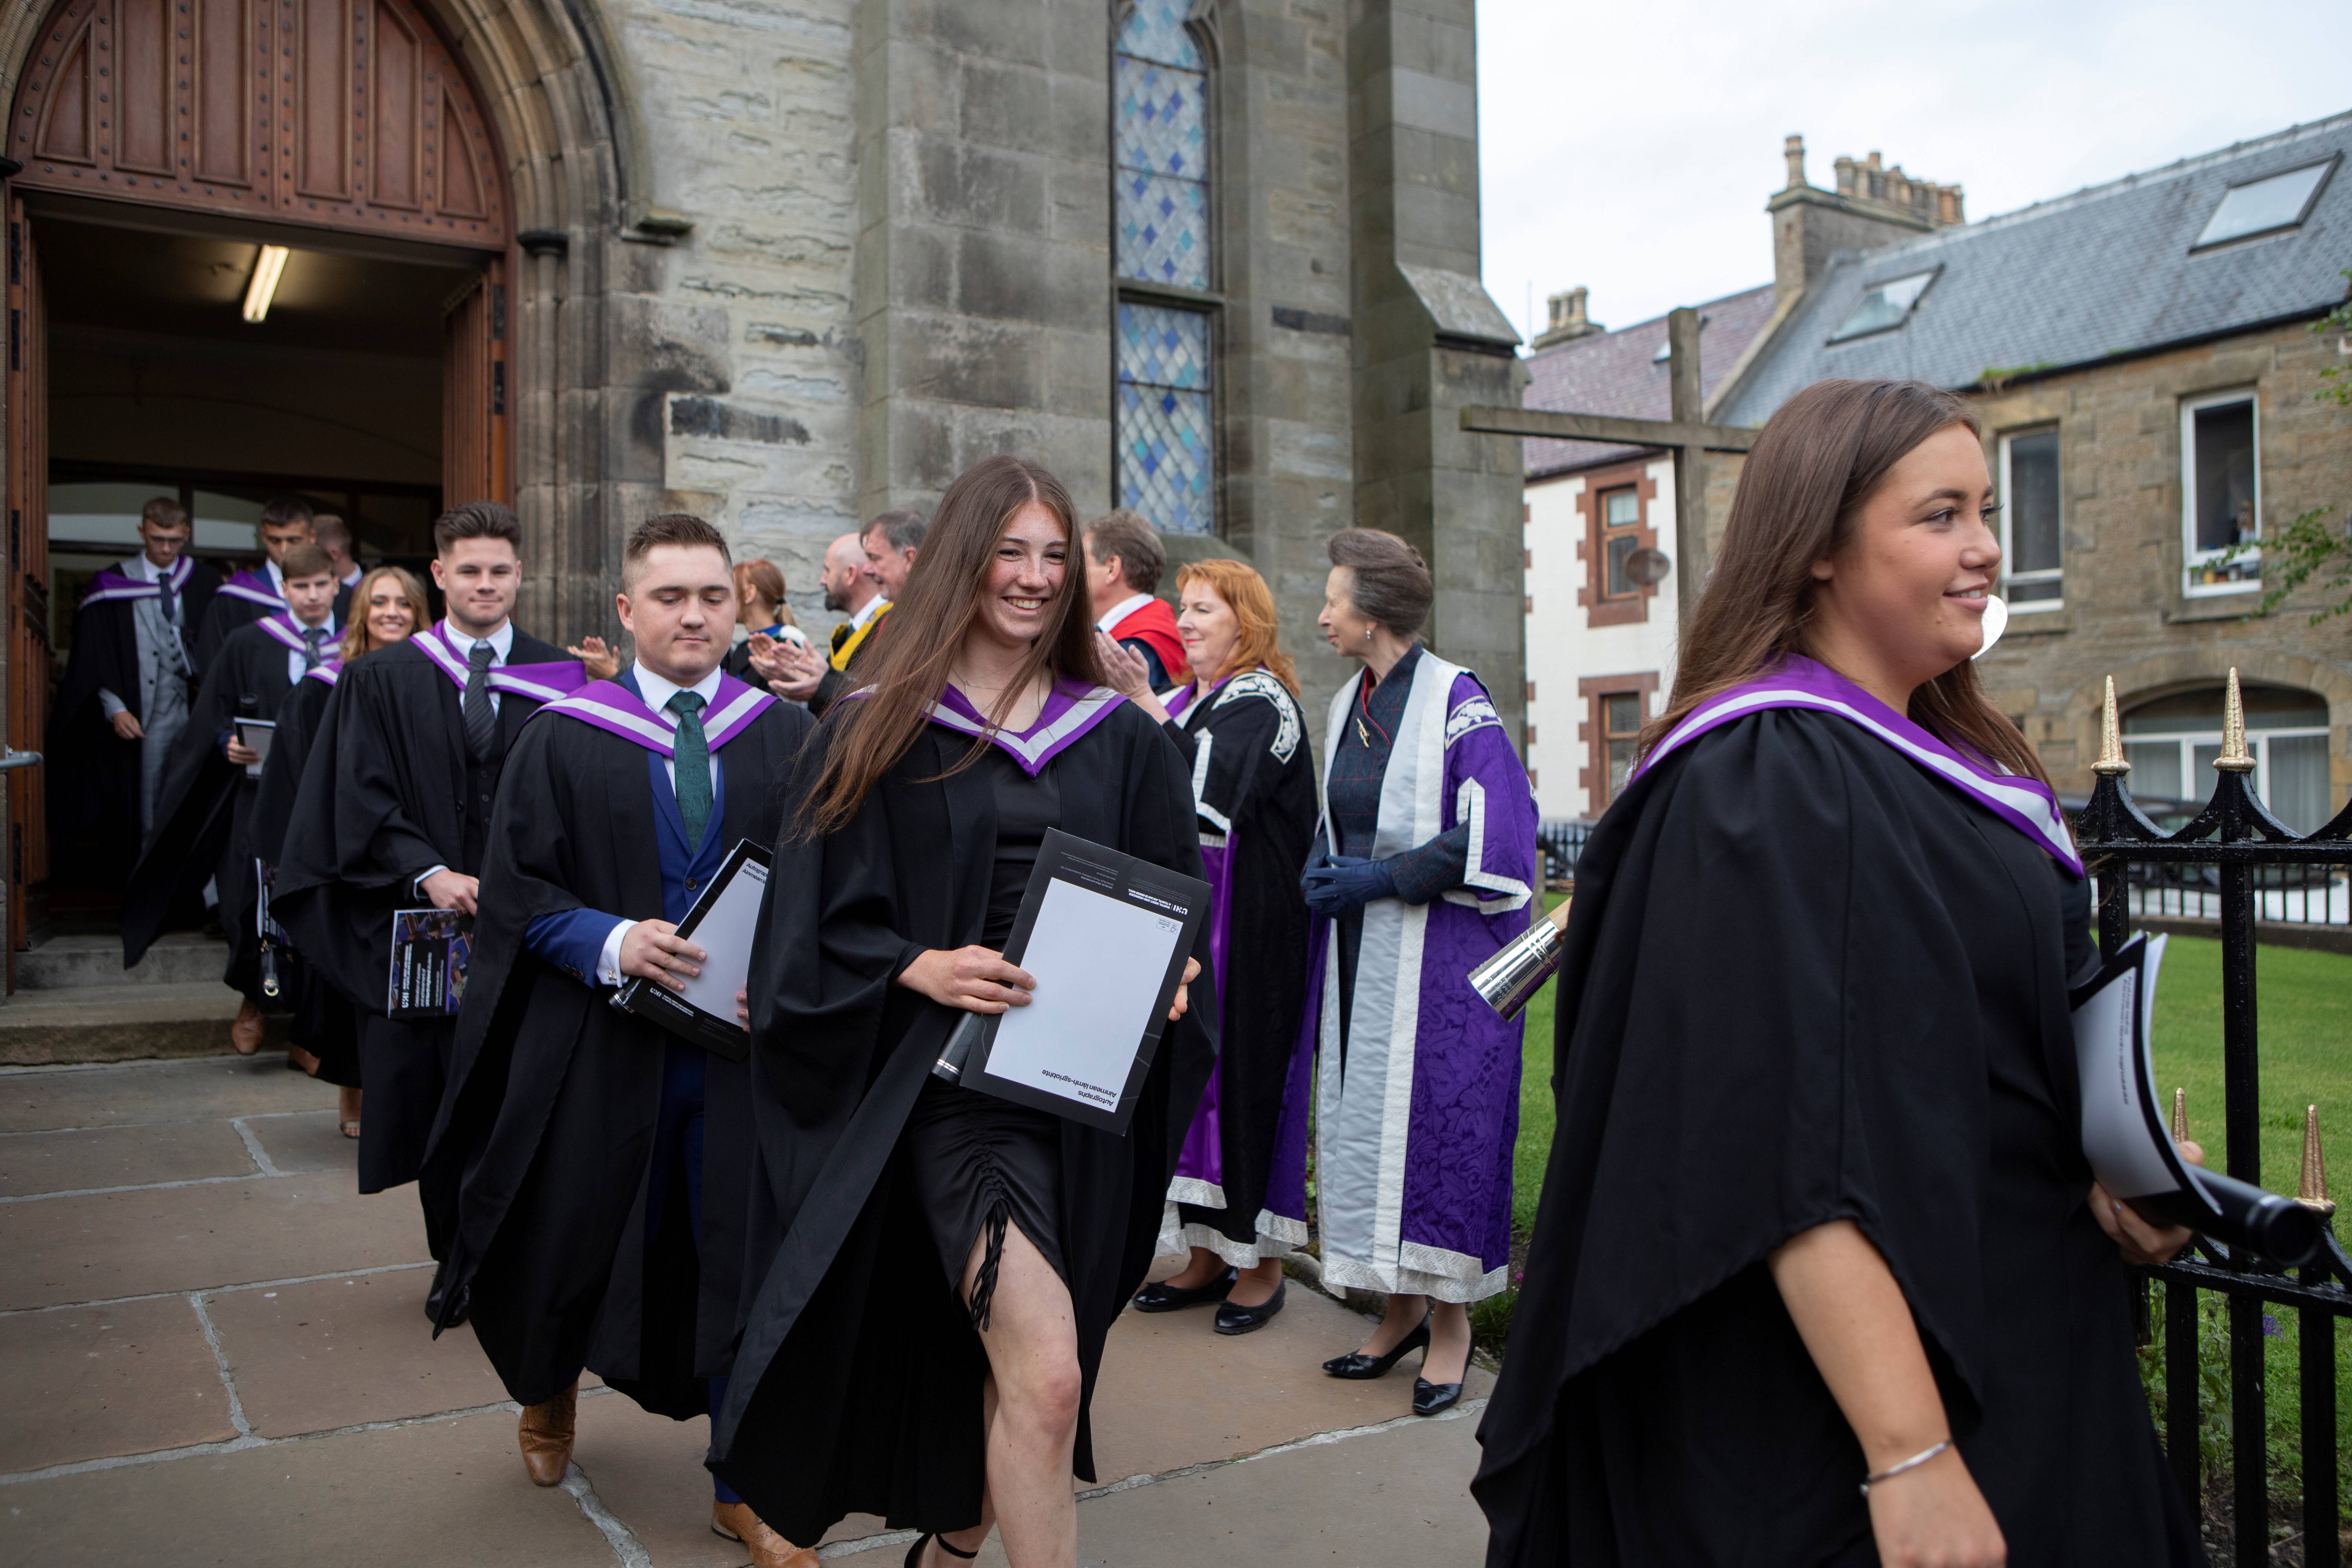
<point x="1631" y="148"/>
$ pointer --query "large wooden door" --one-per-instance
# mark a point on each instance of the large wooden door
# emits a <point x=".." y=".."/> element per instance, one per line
<point x="349" y="114"/>
<point x="474" y="462"/>
<point x="27" y="590"/>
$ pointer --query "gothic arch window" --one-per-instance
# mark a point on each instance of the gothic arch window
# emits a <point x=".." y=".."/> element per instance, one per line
<point x="1167" y="328"/>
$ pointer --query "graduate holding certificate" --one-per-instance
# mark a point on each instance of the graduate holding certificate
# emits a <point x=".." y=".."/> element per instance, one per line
<point x="604" y="1159"/>
<point x="934" y="1268"/>
<point x="1821" y="1274"/>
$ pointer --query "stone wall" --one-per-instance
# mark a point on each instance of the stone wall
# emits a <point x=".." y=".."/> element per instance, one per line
<point x="2126" y="613"/>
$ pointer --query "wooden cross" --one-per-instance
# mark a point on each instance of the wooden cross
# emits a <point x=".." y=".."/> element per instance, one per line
<point x="1686" y="433"/>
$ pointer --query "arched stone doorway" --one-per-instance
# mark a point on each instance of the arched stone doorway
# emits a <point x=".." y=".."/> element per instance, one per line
<point x="487" y="140"/>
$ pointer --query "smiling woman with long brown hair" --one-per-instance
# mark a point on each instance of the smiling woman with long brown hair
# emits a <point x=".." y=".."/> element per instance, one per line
<point x="1821" y="1275"/>
<point x="945" y="1264"/>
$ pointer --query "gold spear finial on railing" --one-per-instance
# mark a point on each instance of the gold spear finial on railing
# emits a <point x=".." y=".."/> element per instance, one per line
<point x="2181" y="1116"/>
<point x="2111" y="743"/>
<point x="2312" y="1194"/>
<point x="2234" y="757"/>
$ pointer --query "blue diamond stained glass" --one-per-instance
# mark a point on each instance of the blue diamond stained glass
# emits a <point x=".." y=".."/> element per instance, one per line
<point x="1162" y="229"/>
<point x="1157" y="32"/>
<point x="1160" y="117"/>
<point x="1167" y="465"/>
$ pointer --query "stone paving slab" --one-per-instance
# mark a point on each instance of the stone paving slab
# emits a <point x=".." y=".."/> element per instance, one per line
<point x="438" y="1492"/>
<point x="340" y="1353"/>
<point x="299" y="1143"/>
<point x="80" y="1383"/>
<point x="33" y="1163"/>
<point x="212" y="1088"/>
<point x="193" y="1238"/>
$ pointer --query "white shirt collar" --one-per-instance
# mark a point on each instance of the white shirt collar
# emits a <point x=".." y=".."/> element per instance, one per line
<point x="874" y="607"/>
<point x="358" y="571"/>
<point x="502" y="641"/>
<point x="277" y="578"/>
<point x="656" y="691"/>
<point x="1120" y="611"/>
<point x="144" y="569"/>
<point x="325" y="627"/>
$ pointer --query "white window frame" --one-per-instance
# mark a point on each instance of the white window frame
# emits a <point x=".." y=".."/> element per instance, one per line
<point x="2258" y="743"/>
<point x="2192" y="559"/>
<point x="2008" y="551"/>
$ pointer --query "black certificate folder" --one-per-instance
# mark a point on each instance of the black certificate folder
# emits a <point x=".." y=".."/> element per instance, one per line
<point x="722" y="923"/>
<point x="1106" y="936"/>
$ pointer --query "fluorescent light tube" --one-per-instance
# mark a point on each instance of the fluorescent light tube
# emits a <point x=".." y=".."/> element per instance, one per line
<point x="266" y="268"/>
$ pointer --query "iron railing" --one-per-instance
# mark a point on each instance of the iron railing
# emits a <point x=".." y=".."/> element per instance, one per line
<point x="1560" y="841"/>
<point x="2239" y="843"/>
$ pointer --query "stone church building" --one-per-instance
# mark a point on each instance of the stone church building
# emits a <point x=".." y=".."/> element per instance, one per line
<point x="783" y="263"/>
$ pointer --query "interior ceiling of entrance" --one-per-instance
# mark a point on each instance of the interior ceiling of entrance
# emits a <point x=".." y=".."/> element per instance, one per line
<point x="152" y="363"/>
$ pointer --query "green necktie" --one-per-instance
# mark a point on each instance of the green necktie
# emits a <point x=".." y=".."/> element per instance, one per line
<point x="690" y="757"/>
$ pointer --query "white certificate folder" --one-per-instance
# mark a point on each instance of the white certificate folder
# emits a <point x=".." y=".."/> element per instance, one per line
<point x="1105" y="936"/>
<point x="722" y="923"/>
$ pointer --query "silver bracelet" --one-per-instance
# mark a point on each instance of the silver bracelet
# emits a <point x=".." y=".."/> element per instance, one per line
<point x="1913" y="1463"/>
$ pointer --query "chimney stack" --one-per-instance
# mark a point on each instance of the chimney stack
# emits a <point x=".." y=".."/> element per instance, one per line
<point x="1874" y="203"/>
<point x="1568" y="320"/>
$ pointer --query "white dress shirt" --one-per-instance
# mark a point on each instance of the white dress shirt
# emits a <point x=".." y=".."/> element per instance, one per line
<point x="1120" y="611"/>
<point x="295" y="668"/>
<point x="501" y="642"/>
<point x="657" y="694"/>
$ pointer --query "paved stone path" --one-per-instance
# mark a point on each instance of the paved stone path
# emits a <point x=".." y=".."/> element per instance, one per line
<point x="213" y="1350"/>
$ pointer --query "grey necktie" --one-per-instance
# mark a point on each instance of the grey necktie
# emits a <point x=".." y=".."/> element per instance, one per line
<point x="481" y="719"/>
<point x="311" y="635"/>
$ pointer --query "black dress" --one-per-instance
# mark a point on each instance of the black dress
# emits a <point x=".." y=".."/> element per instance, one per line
<point x="978" y="1161"/>
<point x="1806" y="983"/>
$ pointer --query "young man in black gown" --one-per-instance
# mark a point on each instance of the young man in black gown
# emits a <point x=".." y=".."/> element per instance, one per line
<point x="394" y="813"/>
<point x="204" y="809"/>
<point x="606" y="1162"/>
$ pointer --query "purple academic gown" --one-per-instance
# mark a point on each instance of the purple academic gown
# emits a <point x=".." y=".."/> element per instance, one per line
<point x="1415" y="1119"/>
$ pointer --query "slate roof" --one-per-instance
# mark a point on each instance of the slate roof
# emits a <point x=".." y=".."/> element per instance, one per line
<point x="2068" y="282"/>
<point x="1612" y="373"/>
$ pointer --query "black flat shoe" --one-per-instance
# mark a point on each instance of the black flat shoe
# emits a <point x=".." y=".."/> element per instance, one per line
<point x="1358" y="1366"/>
<point x="1429" y="1398"/>
<point x="1170" y="1298"/>
<point x="915" y="1552"/>
<point x="1238" y="1319"/>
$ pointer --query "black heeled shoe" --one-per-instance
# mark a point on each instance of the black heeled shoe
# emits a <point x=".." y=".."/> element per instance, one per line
<point x="1358" y="1366"/>
<point x="1430" y="1398"/>
<point x="1234" y="1319"/>
<point x="915" y="1552"/>
<point x="1165" y="1298"/>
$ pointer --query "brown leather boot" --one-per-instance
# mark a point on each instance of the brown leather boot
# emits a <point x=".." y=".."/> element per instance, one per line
<point x="545" y="1432"/>
<point x="245" y="1032"/>
<point x="736" y="1521"/>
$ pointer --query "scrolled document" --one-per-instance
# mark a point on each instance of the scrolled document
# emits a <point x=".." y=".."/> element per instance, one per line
<point x="2123" y="1136"/>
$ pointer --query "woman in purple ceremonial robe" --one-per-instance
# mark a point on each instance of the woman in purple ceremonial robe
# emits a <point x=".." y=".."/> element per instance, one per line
<point x="1424" y="866"/>
<point x="1821" y="1274"/>
<point x="1239" y="1199"/>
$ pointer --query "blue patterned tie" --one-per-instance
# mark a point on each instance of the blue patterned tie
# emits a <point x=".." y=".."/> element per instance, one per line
<point x="690" y="759"/>
<point x="311" y="635"/>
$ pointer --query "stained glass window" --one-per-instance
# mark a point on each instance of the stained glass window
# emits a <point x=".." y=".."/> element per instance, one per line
<point x="1167" y="462"/>
<point x="1160" y="148"/>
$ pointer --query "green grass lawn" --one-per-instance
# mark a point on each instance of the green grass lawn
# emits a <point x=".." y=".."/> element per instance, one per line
<point x="2304" y="1002"/>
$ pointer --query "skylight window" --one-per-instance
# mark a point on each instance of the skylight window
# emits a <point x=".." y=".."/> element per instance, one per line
<point x="2260" y="207"/>
<point x="1883" y="306"/>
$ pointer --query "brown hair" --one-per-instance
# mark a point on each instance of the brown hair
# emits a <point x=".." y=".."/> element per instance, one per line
<point x="476" y="520"/>
<point x="305" y="561"/>
<point x="163" y="512"/>
<point x="913" y="650"/>
<point x="357" y="638"/>
<point x="1245" y="592"/>
<point x="327" y="526"/>
<point x="678" y="528"/>
<point x="1388" y="581"/>
<point x="1134" y="542"/>
<point x="766" y="579"/>
<point x="1819" y="459"/>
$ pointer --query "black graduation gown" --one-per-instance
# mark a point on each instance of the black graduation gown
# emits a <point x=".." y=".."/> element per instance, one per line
<point x="553" y="1093"/>
<point x="387" y="793"/>
<point x="1260" y="786"/>
<point x="1805" y="981"/>
<point x="857" y="1379"/>
<point x="203" y="806"/>
<point x="93" y="773"/>
<point x="325" y="1023"/>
